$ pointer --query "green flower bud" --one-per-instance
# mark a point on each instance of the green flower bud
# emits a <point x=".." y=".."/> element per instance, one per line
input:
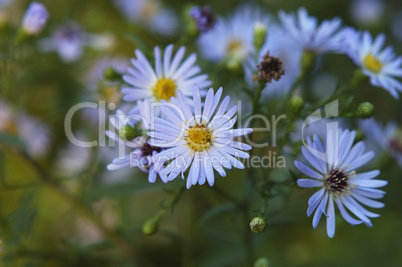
<point x="307" y="62"/>
<point x="111" y="74"/>
<point x="365" y="110"/>
<point x="128" y="132"/>
<point x="258" y="224"/>
<point x="151" y="225"/>
<point x="261" y="262"/>
<point x="260" y="33"/>
<point x="296" y="104"/>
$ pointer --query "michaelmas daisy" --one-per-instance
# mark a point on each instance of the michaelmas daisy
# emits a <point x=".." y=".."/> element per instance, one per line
<point x="202" y="139"/>
<point x="166" y="79"/>
<point x="130" y="135"/>
<point x="334" y="173"/>
<point x="232" y="40"/>
<point x="305" y="31"/>
<point x="380" y="65"/>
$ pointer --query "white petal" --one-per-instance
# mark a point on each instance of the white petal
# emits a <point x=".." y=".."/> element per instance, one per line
<point x="307" y="170"/>
<point x="331" y="218"/>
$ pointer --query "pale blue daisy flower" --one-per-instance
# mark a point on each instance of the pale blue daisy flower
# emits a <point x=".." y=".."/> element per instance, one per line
<point x="334" y="173"/>
<point x="203" y="17"/>
<point x="232" y="39"/>
<point x="386" y="137"/>
<point x="130" y="136"/>
<point x="305" y="31"/>
<point x="67" y="40"/>
<point x="380" y="65"/>
<point x="35" y="18"/>
<point x="166" y="79"/>
<point x="150" y="13"/>
<point x="367" y="12"/>
<point x="202" y="139"/>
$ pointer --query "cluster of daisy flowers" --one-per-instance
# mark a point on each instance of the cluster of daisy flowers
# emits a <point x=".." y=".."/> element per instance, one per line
<point x="180" y="128"/>
<point x="171" y="129"/>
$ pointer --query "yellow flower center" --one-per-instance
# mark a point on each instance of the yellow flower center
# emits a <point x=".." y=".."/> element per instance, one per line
<point x="198" y="137"/>
<point x="164" y="88"/>
<point x="234" y="46"/>
<point x="372" y="63"/>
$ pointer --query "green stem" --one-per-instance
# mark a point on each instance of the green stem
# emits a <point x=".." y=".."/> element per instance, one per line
<point x="256" y="100"/>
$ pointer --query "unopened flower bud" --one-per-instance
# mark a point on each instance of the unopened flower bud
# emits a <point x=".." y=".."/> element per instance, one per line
<point x="307" y="62"/>
<point x="261" y="262"/>
<point x="128" y="132"/>
<point x="260" y="33"/>
<point x="258" y="224"/>
<point x="151" y="225"/>
<point x="296" y="104"/>
<point x="35" y="18"/>
<point x="365" y="110"/>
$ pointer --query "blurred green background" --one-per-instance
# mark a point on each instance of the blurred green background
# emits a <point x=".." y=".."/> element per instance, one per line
<point x="53" y="213"/>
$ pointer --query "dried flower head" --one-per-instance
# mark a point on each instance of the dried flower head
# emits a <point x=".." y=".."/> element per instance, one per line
<point x="270" y="67"/>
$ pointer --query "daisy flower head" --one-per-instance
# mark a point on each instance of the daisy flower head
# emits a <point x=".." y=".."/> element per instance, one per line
<point x="304" y="31"/>
<point x="380" y="65"/>
<point x="150" y="13"/>
<point x="232" y="39"/>
<point x="166" y="79"/>
<point x="202" y="138"/>
<point x="67" y="40"/>
<point x="35" y="18"/>
<point x="203" y="17"/>
<point x="130" y="134"/>
<point x="334" y="173"/>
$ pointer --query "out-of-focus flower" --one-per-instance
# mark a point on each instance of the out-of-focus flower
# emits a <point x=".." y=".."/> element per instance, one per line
<point x="34" y="134"/>
<point x="202" y="139"/>
<point x="380" y="65"/>
<point x="73" y="159"/>
<point x="163" y="82"/>
<point x="4" y="12"/>
<point x="67" y="40"/>
<point x="367" y="12"/>
<point x="130" y="135"/>
<point x="396" y="25"/>
<point x="204" y="18"/>
<point x="334" y="172"/>
<point x="35" y="18"/>
<point x="103" y="41"/>
<point x="232" y="39"/>
<point x="388" y="138"/>
<point x="305" y="31"/>
<point x="150" y="13"/>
